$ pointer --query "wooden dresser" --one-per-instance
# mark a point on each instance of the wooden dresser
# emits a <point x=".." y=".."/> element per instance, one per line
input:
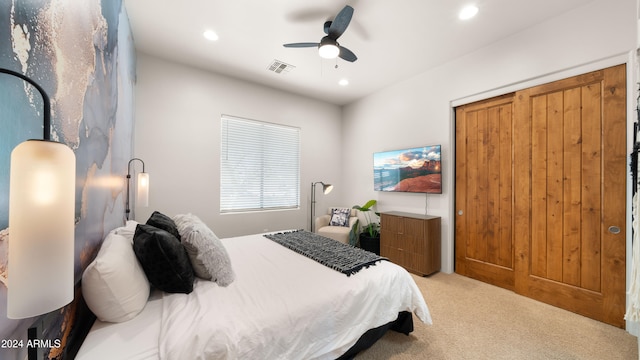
<point x="411" y="241"/>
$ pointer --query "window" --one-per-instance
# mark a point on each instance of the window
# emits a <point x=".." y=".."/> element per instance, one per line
<point x="259" y="166"/>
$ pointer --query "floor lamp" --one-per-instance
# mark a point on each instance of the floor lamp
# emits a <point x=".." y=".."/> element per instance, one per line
<point x="42" y="185"/>
<point x="326" y="188"/>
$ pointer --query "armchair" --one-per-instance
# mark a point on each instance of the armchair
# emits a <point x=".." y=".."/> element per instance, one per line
<point x="338" y="233"/>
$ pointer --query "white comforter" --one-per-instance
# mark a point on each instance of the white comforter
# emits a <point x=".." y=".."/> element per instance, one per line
<point x="283" y="306"/>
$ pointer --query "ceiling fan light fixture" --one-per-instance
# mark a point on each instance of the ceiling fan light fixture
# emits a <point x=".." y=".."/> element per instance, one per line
<point x="328" y="51"/>
<point x="328" y="48"/>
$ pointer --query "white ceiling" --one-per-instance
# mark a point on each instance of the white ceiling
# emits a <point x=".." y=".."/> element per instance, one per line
<point x="394" y="40"/>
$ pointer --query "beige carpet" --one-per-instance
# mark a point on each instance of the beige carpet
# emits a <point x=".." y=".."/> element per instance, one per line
<point x="474" y="320"/>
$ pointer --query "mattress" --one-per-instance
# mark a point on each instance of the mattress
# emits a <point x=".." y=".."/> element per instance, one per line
<point x="281" y="305"/>
<point x="136" y="339"/>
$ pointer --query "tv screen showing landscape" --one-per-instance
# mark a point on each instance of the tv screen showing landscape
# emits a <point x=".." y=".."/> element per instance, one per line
<point x="409" y="170"/>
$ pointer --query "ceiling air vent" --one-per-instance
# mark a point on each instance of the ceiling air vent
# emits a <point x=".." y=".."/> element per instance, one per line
<point x="278" y="67"/>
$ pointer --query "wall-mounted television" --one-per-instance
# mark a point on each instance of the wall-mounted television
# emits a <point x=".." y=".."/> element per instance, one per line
<point x="408" y="170"/>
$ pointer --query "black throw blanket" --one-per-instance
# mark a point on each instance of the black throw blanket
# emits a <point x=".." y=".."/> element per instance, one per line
<point x="331" y="253"/>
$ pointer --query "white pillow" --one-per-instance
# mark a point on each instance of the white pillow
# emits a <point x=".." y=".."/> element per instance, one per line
<point x="114" y="285"/>
<point x="128" y="230"/>
<point x="209" y="258"/>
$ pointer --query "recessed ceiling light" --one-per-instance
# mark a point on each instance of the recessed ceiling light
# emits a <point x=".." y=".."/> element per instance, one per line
<point x="343" y="82"/>
<point x="468" y="12"/>
<point x="210" y="35"/>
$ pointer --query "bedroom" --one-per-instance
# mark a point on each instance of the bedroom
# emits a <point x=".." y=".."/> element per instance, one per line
<point x="193" y="99"/>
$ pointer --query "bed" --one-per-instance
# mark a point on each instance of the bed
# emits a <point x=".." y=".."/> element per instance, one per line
<point x="279" y="305"/>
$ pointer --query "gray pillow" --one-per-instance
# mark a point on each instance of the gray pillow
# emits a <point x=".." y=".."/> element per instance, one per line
<point x="209" y="258"/>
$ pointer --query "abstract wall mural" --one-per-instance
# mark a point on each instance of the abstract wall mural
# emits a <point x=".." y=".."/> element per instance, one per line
<point x="82" y="54"/>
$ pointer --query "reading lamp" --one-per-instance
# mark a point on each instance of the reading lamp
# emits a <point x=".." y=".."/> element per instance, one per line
<point x="41" y="222"/>
<point x="142" y="187"/>
<point x="326" y="188"/>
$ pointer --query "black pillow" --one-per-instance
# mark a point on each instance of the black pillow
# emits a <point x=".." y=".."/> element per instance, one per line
<point x="163" y="259"/>
<point x="162" y="221"/>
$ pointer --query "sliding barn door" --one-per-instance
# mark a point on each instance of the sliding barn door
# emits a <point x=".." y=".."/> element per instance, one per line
<point x="548" y="218"/>
<point x="484" y="191"/>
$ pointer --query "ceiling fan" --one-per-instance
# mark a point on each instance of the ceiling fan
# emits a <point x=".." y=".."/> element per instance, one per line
<point x="328" y="46"/>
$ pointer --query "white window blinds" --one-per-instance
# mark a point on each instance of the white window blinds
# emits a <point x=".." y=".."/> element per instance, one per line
<point x="259" y="166"/>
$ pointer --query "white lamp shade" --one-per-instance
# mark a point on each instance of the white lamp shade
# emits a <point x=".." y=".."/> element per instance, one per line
<point x="41" y="228"/>
<point x="142" y="189"/>
<point x="328" y="51"/>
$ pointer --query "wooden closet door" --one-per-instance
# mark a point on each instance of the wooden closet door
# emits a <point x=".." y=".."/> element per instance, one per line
<point x="484" y="193"/>
<point x="570" y="186"/>
<point x="540" y="193"/>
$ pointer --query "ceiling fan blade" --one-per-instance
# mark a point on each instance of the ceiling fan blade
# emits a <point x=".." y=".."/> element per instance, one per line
<point x="301" y="45"/>
<point x="309" y="14"/>
<point x="340" y="23"/>
<point x="347" y="54"/>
